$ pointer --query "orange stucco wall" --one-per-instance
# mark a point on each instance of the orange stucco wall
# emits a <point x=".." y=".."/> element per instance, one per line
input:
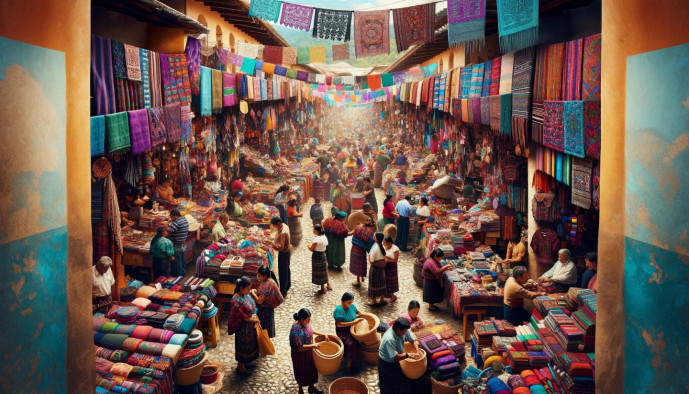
<point x="629" y="27"/>
<point x="456" y="53"/>
<point x="65" y="26"/>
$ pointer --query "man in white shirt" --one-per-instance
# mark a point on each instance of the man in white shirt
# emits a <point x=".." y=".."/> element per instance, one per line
<point x="563" y="273"/>
<point x="102" y="281"/>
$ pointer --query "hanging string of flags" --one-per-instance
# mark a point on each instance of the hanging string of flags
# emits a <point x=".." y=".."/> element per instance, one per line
<point x="414" y="25"/>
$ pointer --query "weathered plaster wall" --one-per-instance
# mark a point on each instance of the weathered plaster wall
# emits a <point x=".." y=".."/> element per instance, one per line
<point x="627" y="337"/>
<point x="46" y="248"/>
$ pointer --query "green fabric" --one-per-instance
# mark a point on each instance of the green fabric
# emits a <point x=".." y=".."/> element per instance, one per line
<point x="162" y="248"/>
<point x="303" y="55"/>
<point x="117" y="132"/>
<point x="248" y="67"/>
<point x="335" y="251"/>
<point x="292" y="73"/>
<point x="386" y="79"/>
<point x="467" y="191"/>
<point x="384" y="160"/>
<point x="345" y="315"/>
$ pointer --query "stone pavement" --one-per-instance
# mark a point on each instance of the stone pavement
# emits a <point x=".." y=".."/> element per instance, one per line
<point x="274" y="374"/>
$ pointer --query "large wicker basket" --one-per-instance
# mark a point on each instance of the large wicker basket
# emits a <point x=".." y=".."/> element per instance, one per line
<point x="189" y="376"/>
<point x="413" y="369"/>
<point x="370" y="356"/>
<point x="348" y="385"/>
<point x="329" y="357"/>
<point x="365" y="331"/>
<point x="442" y="388"/>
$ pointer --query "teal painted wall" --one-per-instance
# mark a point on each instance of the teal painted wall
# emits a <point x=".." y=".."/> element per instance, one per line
<point x="33" y="220"/>
<point x="657" y="229"/>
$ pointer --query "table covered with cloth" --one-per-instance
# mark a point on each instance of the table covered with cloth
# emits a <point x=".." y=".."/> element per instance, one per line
<point x="461" y="294"/>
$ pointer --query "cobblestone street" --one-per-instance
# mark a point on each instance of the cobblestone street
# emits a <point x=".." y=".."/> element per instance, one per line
<point x="274" y="374"/>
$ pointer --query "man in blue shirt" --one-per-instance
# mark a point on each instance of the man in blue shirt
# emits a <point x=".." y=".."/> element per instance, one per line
<point x="390" y="353"/>
<point x="403" y="208"/>
<point x="178" y="229"/>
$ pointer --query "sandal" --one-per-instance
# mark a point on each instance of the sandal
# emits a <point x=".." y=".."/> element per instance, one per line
<point x="393" y="299"/>
<point x="433" y="308"/>
<point x="245" y="372"/>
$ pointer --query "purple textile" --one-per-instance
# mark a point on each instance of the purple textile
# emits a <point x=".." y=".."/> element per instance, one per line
<point x="465" y="10"/>
<point x="444" y="360"/>
<point x="101" y="72"/>
<point x="296" y="16"/>
<point x="193" y="52"/>
<point x="398" y="77"/>
<point x="476" y="107"/>
<point x="302" y="76"/>
<point x="173" y="122"/>
<point x="236" y="60"/>
<point x="139" y="131"/>
<point x="156" y="125"/>
<point x="279" y="70"/>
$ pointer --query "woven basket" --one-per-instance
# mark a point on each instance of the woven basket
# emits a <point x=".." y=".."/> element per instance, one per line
<point x="418" y="268"/>
<point x="370" y="356"/>
<point x="329" y="357"/>
<point x="413" y="369"/>
<point x="365" y="331"/>
<point x="348" y="385"/>
<point x="390" y="230"/>
<point x="441" y="388"/>
<point x="372" y="345"/>
<point x="189" y="376"/>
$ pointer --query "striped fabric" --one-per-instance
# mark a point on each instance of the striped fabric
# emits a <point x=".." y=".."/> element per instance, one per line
<point x="102" y="75"/>
<point x="571" y="82"/>
<point x="145" y="84"/>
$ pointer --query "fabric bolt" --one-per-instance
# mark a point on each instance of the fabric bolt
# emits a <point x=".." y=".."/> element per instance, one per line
<point x="571" y="82"/>
<point x="97" y="135"/>
<point x="591" y="71"/>
<point x="466" y="23"/>
<point x="102" y="75"/>
<point x="592" y="126"/>
<point x="506" y="114"/>
<point x="372" y="29"/>
<point x="193" y="52"/>
<point x="265" y="9"/>
<point x="216" y="91"/>
<point x="553" y="125"/>
<point x="413" y="25"/>
<point x="332" y="24"/>
<point x="317" y="54"/>
<point x="573" y="119"/>
<point x="296" y="16"/>
<point x="119" y="64"/>
<point x="506" y="70"/>
<point x="517" y="24"/>
<point x="340" y="52"/>
<point x="117" y="133"/>
<point x="140" y="134"/>
<point x="229" y="89"/>
<point x="173" y="121"/>
<point x="133" y="63"/>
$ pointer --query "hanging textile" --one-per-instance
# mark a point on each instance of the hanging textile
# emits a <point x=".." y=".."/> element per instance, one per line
<point x="496" y="69"/>
<point x="272" y="54"/>
<point x="317" y="54"/>
<point x="413" y="25"/>
<point x="154" y="79"/>
<point x="248" y="66"/>
<point x="555" y="61"/>
<point x="517" y="24"/>
<point x="156" y="125"/>
<point x="464" y="105"/>
<point x="494" y="103"/>
<point x="332" y="24"/>
<point x="374" y="82"/>
<point x="372" y="33"/>
<point x="485" y="111"/>
<point x="592" y="129"/>
<point x="574" y="128"/>
<point x="131" y="55"/>
<point x="117" y="133"/>
<point x="206" y="90"/>
<point x="476" y="109"/>
<point x="506" y="114"/>
<point x="246" y="49"/>
<point x="538" y="95"/>
<point x="97" y="136"/>
<point x="296" y="16"/>
<point x="102" y="75"/>
<point x="596" y="187"/>
<point x="265" y="9"/>
<point x="521" y="94"/>
<point x="553" y="125"/>
<point x="465" y="82"/>
<point x="229" y="92"/>
<point x="289" y="56"/>
<point x="145" y="75"/>
<point x="185" y="122"/>
<point x="506" y="69"/>
<point x="476" y="81"/>
<point x="185" y="173"/>
<point x="466" y="23"/>
<point x="173" y="122"/>
<point x="223" y="56"/>
<point x="591" y="69"/>
<point x="216" y="77"/>
<point x="279" y="70"/>
<point x="340" y="52"/>
<point x="487" y="75"/>
<point x="119" y="64"/>
<point x="581" y="182"/>
<point x="386" y="79"/>
<point x="111" y="211"/>
<point x="571" y="86"/>
<point x="139" y="132"/>
<point x="193" y="52"/>
<point x="302" y="76"/>
<point x="268" y="68"/>
<point x="175" y="78"/>
<point x="303" y="55"/>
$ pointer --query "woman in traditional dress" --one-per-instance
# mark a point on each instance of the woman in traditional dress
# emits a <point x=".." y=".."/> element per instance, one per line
<point x="233" y="209"/>
<point x="388" y="210"/>
<point x="368" y="211"/>
<point x="376" y="284"/>
<point x="340" y="198"/>
<point x="346" y="315"/>
<point x="268" y="297"/>
<point x="319" y="261"/>
<point x="412" y="315"/>
<point x="362" y="241"/>
<point x="432" y="274"/>
<point x="301" y="343"/>
<point x="336" y="231"/>
<point x="294" y="222"/>
<point x="392" y="254"/>
<point x="281" y="198"/>
<point x="242" y="323"/>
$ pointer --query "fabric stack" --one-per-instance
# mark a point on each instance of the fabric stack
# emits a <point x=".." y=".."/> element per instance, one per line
<point x="123" y="372"/>
<point x="502" y="344"/>
<point x="566" y="331"/>
<point x="585" y="317"/>
<point x="543" y="304"/>
<point x="193" y="352"/>
<point x="444" y="351"/>
<point x="484" y="331"/>
<point x="127" y="315"/>
<point x="578" y="369"/>
<point x="504" y="328"/>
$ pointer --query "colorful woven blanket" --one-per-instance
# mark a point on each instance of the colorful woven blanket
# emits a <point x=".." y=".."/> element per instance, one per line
<point x="466" y="23"/>
<point x="517" y="24"/>
<point x="590" y="89"/>
<point x="413" y="25"/>
<point x="574" y="128"/>
<point x="372" y="30"/>
<point x="139" y="131"/>
<point x="553" y="125"/>
<point x="117" y="133"/>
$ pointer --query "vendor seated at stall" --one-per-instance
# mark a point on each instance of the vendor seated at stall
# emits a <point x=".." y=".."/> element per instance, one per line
<point x="513" y="302"/>
<point x="590" y="277"/>
<point x="164" y="191"/>
<point x="102" y="281"/>
<point x="563" y="274"/>
<point x="516" y="251"/>
<point x="219" y="228"/>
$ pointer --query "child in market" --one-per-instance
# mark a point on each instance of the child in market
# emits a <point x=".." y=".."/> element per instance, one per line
<point x="316" y="212"/>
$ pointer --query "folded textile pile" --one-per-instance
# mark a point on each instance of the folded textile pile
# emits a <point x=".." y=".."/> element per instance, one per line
<point x="193" y="352"/>
<point x="504" y="328"/>
<point x="544" y="303"/>
<point x="566" y="331"/>
<point x="484" y="331"/>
